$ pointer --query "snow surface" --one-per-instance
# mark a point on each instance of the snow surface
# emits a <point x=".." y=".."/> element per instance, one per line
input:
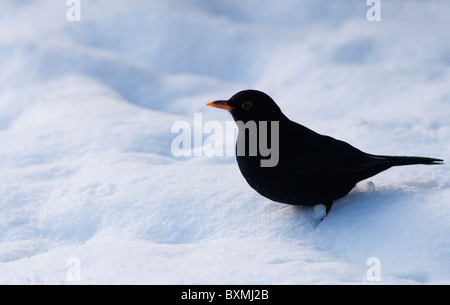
<point x="91" y="193"/>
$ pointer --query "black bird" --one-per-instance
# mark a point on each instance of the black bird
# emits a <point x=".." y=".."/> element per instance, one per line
<point x="307" y="168"/>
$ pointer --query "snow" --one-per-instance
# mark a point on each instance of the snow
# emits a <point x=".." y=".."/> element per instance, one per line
<point x="91" y="193"/>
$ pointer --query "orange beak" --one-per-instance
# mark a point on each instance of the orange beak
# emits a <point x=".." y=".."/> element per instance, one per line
<point x="221" y="104"/>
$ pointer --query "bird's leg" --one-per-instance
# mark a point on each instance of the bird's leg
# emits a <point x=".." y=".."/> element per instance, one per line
<point x="328" y="207"/>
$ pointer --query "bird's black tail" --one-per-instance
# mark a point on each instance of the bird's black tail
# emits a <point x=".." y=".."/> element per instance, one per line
<point x="398" y="160"/>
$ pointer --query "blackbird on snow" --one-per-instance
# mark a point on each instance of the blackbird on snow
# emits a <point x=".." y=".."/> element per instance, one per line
<point x="308" y="168"/>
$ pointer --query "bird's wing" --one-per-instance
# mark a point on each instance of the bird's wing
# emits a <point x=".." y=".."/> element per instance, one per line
<point x="327" y="156"/>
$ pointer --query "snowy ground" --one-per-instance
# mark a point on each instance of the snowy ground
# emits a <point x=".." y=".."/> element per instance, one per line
<point x="91" y="193"/>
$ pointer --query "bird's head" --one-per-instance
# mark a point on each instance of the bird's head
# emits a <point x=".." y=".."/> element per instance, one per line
<point x="250" y="105"/>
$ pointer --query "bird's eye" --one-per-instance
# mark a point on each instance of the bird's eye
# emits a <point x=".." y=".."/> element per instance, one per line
<point x="247" y="105"/>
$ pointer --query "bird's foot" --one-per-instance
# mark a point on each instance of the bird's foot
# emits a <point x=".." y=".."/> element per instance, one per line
<point x="328" y="207"/>
<point x="321" y="211"/>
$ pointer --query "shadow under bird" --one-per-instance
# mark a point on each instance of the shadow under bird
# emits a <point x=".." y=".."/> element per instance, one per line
<point x="311" y="168"/>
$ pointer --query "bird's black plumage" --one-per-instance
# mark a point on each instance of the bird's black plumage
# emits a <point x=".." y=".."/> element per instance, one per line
<point x="312" y="168"/>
